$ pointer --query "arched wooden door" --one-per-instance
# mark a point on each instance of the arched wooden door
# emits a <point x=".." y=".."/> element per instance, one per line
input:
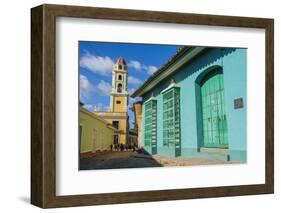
<point x="213" y="111"/>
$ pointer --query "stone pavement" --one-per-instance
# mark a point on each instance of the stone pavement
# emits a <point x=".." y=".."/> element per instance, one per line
<point x="129" y="159"/>
<point x="114" y="160"/>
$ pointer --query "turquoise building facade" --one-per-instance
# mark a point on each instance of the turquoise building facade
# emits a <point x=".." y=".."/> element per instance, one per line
<point x="195" y="105"/>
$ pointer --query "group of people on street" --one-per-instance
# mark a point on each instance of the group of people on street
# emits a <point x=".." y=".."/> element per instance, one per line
<point x="123" y="147"/>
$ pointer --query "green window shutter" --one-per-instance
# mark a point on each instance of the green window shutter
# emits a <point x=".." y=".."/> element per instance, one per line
<point x="150" y="128"/>
<point x="171" y="118"/>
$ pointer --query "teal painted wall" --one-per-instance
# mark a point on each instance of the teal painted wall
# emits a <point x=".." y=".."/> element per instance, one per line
<point x="234" y="64"/>
<point x="236" y="78"/>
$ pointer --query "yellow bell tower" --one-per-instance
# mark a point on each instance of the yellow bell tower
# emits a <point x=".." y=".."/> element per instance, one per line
<point x="119" y="94"/>
<point x="118" y="111"/>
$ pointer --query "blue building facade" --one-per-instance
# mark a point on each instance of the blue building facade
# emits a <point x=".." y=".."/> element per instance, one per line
<point x="195" y="105"/>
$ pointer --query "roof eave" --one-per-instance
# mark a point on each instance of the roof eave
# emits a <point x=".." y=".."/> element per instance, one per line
<point x="167" y="70"/>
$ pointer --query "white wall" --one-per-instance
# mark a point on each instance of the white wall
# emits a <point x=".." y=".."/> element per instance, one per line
<point x="15" y="104"/>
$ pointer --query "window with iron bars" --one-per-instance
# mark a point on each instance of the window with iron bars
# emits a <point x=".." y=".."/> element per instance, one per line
<point x="171" y="117"/>
<point x="150" y="130"/>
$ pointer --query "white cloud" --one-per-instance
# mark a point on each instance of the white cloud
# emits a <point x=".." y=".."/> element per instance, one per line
<point x="131" y="90"/>
<point x="151" y="69"/>
<point x="135" y="64"/>
<point x="89" y="107"/>
<point x="134" y="81"/>
<point x="103" y="65"/>
<point x="85" y="88"/>
<point x="97" y="64"/>
<point x="88" y="90"/>
<point x="92" y="108"/>
<point x="104" y="88"/>
<point x="133" y="100"/>
<point x="85" y="84"/>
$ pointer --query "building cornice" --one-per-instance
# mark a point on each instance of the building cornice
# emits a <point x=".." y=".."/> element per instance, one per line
<point x="119" y="94"/>
<point x="172" y="85"/>
<point x="150" y="99"/>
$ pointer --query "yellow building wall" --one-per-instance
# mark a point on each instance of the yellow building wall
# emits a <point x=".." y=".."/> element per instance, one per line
<point x="122" y="107"/>
<point x="95" y="135"/>
<point x="122" y="127"/>
<point x="139" y="120"/>
<point x="123" y="123"/>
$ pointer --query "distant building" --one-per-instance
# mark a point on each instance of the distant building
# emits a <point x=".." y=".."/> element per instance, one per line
<point x="117" y="114"/>
<point x="137" y="108"/>
<point x="195" y="105"/>
<point x="95" y="134"/>
<point x="133" y="138"/>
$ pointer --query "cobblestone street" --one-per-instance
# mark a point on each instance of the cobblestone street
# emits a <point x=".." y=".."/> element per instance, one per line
<point x="129" y="159"/>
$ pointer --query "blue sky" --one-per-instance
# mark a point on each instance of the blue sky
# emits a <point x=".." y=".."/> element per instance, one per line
<point x="95" y="66"/>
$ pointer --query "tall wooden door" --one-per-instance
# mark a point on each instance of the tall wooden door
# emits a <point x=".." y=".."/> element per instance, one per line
<point x="213" y="111"/>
